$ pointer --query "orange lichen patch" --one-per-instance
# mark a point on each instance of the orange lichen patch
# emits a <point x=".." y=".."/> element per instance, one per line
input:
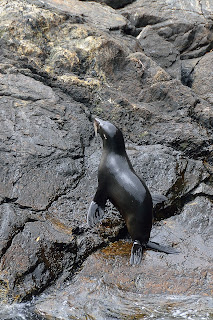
<point x="6" y="295"/>
<point x="118" y="248"/>
<point x="155" y="274"/>
<point x="59" y="225"/>
<point x="4" y="290"/>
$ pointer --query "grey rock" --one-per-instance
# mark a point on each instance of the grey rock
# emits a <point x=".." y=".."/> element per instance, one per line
<point x="160" y="50"/>
<point x="202" y="222"/>
<point x="182" y="175"/>
<point x="107" y="277"/>
<point x="204" y="189"/>
<point x="41" y="252"/>
<point x="12" y="219"/>
<point x="202" y="75"/>
<point x="63" y="63"/>
<point x="35" y="138"/>
<point x="107" y="18"/>
<point x="172" y="31"/>
<point x="177" y="10"/>
<point x="116" y="4"/>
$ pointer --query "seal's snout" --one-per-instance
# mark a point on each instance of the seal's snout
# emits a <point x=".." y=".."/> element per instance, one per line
<point x="96" y="126"/>
<point x="98" y="121"/>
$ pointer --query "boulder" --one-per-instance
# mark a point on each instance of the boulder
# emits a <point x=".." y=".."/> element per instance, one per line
<point x="106" y="18"/>
<point x="116" y="4"/>
<point x="145" y="67"/>
<point x="202" y="83"/>
<point x="158" y="281"/>
<point x="193" y="11"/>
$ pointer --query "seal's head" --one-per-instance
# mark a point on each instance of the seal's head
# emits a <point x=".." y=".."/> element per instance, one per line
<point x="112" y="137"/>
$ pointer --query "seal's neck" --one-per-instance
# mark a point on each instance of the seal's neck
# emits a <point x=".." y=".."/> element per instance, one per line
<point x="111" y="145"/>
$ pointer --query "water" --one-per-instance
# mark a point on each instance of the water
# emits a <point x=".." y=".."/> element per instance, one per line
<point x="18" y="311"/>
<point x="128" y="306"/>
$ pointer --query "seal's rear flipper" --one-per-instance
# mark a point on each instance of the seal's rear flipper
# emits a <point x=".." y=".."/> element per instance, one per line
<point x="136" y="253"/>
<point x="159" y="247"/>
<point x="95" y="213"/>
<point x="158" y="198"/>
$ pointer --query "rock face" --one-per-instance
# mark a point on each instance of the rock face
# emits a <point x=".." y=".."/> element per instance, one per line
<point x="145" y="66"/>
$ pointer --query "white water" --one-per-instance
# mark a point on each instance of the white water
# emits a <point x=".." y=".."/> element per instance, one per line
<point x="121" y="306"/>
<point x="18" y="311"/>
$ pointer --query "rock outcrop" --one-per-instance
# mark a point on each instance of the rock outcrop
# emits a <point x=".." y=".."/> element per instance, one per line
<point x="146" y="67"/>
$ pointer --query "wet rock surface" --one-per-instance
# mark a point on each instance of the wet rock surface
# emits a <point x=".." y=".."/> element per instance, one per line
<point x="148" y="71"/>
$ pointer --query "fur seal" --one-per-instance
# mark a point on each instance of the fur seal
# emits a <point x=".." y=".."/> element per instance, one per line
<point x="118" y="183"/>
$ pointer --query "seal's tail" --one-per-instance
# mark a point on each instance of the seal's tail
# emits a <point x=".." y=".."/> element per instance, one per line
<point x="137" y="250"/>
<point x="159" y="247"/>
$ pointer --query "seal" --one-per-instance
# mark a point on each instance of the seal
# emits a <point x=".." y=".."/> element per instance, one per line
<point x="119" y="183"/>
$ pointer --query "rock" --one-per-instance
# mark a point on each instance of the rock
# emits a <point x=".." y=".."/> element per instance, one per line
<point x="160" y="10"/>
<point x="182" y="175"/>
<point x="107" y="276"/>
<point x="41" y="145"/>
<point x="147" y="71"/>
<point x="35" y="127"/>
<point x="199" y="42"/>
<point x="165" y="53"/>
<point x="202" y="83"/>
<point x="202" y="112"/>
<point x="172" y="32"/>
<point x="116" y="4"/>
<point x="107" y="18"/>
<point x="12" y="221"/>
<point x="41" y="252"/>
<point x="204" y="189"/>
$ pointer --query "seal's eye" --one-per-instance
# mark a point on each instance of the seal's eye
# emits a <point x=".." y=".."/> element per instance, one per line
<point x="105" y="137"/>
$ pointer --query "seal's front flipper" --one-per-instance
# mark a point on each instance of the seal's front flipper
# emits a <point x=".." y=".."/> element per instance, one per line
<point x="136" y="253"/>
<point x="159" y="247"/>
<point x="96" y="208"/>
<point x="158" y="198"/>
<point x="95" y="213"/>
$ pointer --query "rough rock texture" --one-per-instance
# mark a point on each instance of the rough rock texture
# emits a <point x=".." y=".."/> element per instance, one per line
<point x="112" y="290"/>
<point x="116" y="4"/>
<point x="146" y="67"/>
